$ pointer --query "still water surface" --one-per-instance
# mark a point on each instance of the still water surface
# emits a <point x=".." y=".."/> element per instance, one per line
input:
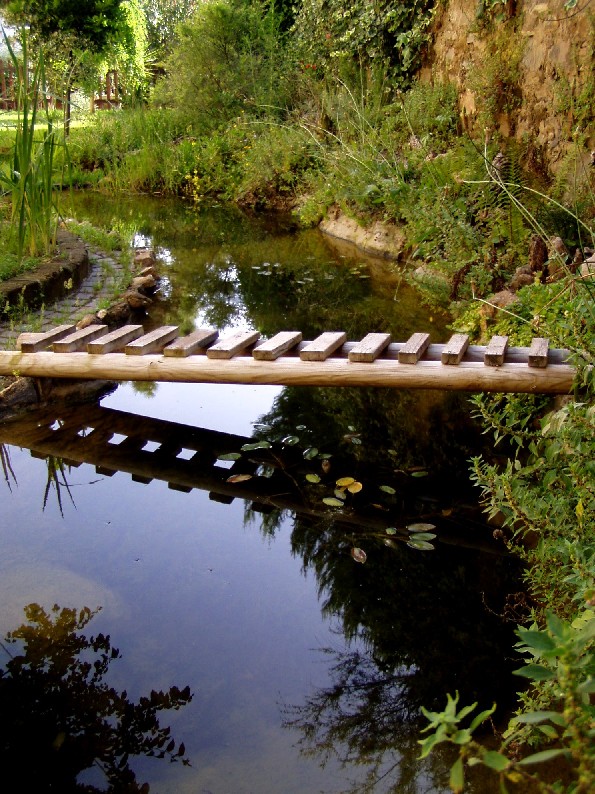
<point x="297" y="655"/>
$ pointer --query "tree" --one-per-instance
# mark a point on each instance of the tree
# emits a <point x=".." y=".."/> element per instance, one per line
<point x="82" y="37"/>
<point x="59" y="717"/>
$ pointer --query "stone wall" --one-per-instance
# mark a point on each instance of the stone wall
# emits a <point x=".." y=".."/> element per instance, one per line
<point x="554" y="52"/>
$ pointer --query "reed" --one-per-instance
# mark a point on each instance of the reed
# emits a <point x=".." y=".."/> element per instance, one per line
<point x="32" y="178"/>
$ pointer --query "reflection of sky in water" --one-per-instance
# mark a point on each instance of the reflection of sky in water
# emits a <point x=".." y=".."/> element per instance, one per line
<point x="228" y="407"/>
<point x="190" y="595"/>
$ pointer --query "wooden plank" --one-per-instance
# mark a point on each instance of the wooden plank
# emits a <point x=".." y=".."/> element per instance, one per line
<point x="322" y="347"/>
<point x="495" y="351"/>
<point x="538" y="352"/>
<point x="115" y="340"/>
<point x="153" y="342"/>
<point x="232" y="345"/>
<point x="34" y="343"/>
<point x="277" y="345"/>
<point x="79" y="339"/>
<point x="455" y="349"/>
<point x="370" y="347"/>
<point x="416" y="346"/>
<point x="194" y="342"/>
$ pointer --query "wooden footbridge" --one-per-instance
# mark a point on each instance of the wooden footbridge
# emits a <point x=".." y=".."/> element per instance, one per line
<point x="128" y="353"/>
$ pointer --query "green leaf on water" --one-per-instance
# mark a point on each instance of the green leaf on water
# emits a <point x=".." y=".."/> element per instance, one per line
<point x="424" y="536"/>
<point x="422" y="545"/>
<point x="313" y="478"/>
<point x="230" y="456"/>
<point x="391" y="530"/>
<point x="310" y="453"/>
<point x="420" y="527"/>
<point x="256" y="445"/>
<point x="419" y="473"/>
<point x="300" y="427"/>
<point x="332" y="501"/>
<point x="387" y="489"/>
<point x="290" y="441"/>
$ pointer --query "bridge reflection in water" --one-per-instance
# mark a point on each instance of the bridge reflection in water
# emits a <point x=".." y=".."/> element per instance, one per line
<point x="269" y="478"/>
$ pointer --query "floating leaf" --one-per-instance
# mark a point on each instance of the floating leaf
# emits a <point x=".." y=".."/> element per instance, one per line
<point x="343" y="482"/>
<point x="391" y="530"/>
<point x="310" y="453"/>
<point x="420" y="544"/>
<point x="230" y="456"/>
<point x="325" y="455"/>
<point x="290" y="441"/>
<point x="239" y="477"/>
<point x="359" y="555"/>
<point x="355" y="487"/>
<point x="420" y="527"/>
<point x="387" y="489"/>
<point x="313" y="478"/>
<point x="332" y="502"/>
<point x="300" y="427"/>
<point x="256" y="445"/>
<point x="419" y="473"/>
<point x="340" y="494"/>
<point x="423" y="536"/>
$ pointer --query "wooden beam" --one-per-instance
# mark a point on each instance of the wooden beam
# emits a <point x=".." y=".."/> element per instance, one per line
<point x="290" y="371"/>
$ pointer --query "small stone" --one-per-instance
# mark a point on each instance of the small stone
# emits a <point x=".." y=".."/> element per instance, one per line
<point x="135" y="300"/>
<point x="143" y="282"/>
<point x="151" y="270"/>
<point x="86" y="321"/>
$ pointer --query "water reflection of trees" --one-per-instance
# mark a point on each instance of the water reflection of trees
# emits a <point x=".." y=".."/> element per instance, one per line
<point x="60" y="718"/>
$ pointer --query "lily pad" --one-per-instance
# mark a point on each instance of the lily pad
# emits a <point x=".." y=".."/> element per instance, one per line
<point x="420" y="527"/>
<point x="422" y="545"/>
<point x="359" y="555"/>
<point x="310" y="453"/>
<point x="256" y="445"/>
<point x="387" y="489"/>
<point x="331" y="501"/>
<point x="239" y="477"/>
<point x="313" y="478"/>
<point x="391" y="530"/>
<point x="343" y="482"/>
<point x="355" y="487"/>
<point x="230" y="456"/>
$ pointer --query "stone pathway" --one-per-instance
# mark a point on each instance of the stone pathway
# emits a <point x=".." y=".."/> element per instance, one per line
<point x="107" y="277"/>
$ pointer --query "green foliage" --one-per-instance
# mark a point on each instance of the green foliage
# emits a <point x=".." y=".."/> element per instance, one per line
<point x="562" y="661"/>
<point x="229" y="60"/>
<point x="331" y="35"/>
<point x="31" y="177"/>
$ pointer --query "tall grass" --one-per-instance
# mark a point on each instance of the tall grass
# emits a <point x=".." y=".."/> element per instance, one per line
<point x="31" y="178"/>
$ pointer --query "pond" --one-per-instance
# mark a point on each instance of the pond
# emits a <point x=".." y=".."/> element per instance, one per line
<point x="289" y="626"/>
